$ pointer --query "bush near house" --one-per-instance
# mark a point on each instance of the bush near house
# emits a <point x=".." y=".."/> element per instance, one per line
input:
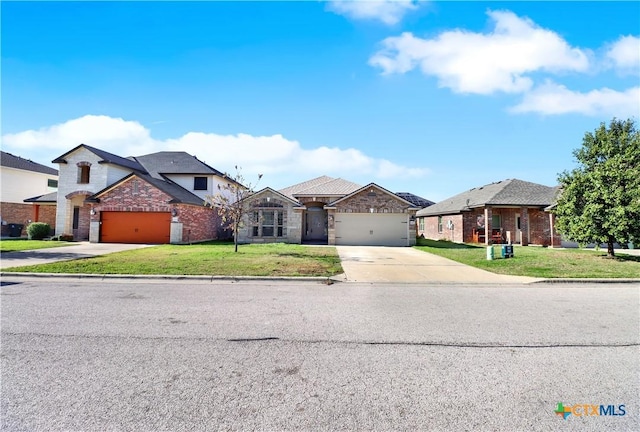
<point x="38" y="230"/>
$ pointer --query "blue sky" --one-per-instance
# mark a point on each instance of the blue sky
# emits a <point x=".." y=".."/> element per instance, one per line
<point x="428" y="97"/>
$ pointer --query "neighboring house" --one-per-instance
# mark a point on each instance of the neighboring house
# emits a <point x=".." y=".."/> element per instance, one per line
<point x="155" y="198"/>
<point x="509" y="210"/>
<point x="332" y="211"/>
<point x="26" y="181"/>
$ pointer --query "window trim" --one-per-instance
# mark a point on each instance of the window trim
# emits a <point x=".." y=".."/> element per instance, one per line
<point x="197" y="186"/>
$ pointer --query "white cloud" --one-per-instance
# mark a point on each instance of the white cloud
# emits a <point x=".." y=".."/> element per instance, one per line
<point x="483" y="63"/>
<point x="552" y="99"/>
<point x="624" y="54"/>
<point x="273" y="154"/>
<point x="388" y="11"/>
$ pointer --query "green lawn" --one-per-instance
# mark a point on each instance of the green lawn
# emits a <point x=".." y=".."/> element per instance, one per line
<point x="538" y="261"/>
<point x="212" y="258"/>
<point x="23" y="244"/>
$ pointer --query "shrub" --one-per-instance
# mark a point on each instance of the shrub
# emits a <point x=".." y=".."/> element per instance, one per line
<point x="38" y="230"/>
<point x="66" y="237"/>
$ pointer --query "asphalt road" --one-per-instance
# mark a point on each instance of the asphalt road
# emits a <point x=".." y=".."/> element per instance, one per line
<point x="96" y="355"/>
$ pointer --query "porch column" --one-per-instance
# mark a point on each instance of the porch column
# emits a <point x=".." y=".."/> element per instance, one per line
<point x="331" y="226"/>
<point x="524" y="226"/>
<point x="488" y="216"/>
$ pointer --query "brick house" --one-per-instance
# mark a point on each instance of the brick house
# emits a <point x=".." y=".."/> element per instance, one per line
<point x="511" y="210"/>
<point x="28" y="192"/>
<point x="332" y="211"/>
<point x="155" y="198"/>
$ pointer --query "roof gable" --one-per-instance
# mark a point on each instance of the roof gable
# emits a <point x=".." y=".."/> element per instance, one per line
<point x="106" y="157"/>
<point x="177" y="193"/>
<point x="275" y="192"/>
<point x="372" y="186"/>
<point x="11" y="161"/>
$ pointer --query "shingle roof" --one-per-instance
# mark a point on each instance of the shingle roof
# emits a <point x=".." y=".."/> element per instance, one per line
<point x="370" y="185"/>
<point x="106" y="158"/>
<point x="177" y="193"/>
<point x="321" y="186"/>
<point x="51" y="197"/>
<point x="11" y="161"/>
<point x="510" y="192"/>
<point x="415" y="199"/>
<point x="167" y="162"/>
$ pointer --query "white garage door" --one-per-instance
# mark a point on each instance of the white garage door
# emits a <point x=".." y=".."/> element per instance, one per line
<point x="366" y="229"/>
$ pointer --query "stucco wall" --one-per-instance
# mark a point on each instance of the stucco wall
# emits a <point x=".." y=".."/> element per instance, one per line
<point x="18" y="185"/>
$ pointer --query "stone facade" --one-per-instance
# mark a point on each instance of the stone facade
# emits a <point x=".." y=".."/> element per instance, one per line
<point x="72" y="190"/>
<point x="253" y="228"/>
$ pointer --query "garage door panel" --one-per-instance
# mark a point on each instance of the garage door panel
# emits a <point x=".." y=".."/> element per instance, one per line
<point x="135" y="227"/>
<point x="377" y="229"/>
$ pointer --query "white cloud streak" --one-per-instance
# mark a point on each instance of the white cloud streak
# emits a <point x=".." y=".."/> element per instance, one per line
<point x="273" y="154"/>
<point x="624" y="54"/>
<point x="483" y="63"/>
<point x="389" y="12"/>
<point x="554" y="99"/>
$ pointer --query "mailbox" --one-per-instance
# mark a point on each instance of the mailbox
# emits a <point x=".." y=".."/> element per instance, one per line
<point x="507" y="251"/>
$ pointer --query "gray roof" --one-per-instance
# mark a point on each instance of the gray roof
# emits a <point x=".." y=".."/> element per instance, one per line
<point x="106" y="158"/>
<point x="415" y="199"/>
<point x="321" y="186"/>
<point x="167" y="162"/>
<point x="177" y="193"/>
<point x="11" y="161"/>
<point x="510" y="192"/>
<point x="51" y="197"/>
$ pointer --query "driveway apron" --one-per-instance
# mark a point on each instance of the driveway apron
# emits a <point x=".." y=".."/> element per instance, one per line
<point x="63" y="253"/>
<point x="409" y="265"/>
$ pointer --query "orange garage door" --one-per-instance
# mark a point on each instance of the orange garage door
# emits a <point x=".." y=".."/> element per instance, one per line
<point x="135" y="227"/>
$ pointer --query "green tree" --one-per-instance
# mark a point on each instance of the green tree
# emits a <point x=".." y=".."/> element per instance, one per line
<point x="230" y="201"/>
<point x="600" y="199"/>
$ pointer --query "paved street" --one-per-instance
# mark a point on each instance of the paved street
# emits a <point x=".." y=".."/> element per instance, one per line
<point x="101" y="355"/>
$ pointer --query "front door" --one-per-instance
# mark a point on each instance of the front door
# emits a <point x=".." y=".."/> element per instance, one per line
<point x="76" y="221"/>
<point x="316" y="224"/>
<point x="518" y="229"/>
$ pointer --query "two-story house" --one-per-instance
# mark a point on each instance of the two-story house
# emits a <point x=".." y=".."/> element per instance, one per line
<point x="24" y="181"/>
<point x="154" y="198"/>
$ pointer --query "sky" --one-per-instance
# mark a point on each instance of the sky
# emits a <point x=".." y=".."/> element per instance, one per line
<point x="432" y="98"/>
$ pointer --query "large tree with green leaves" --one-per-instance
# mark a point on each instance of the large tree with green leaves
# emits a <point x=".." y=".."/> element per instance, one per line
<point x="599" y="200"/>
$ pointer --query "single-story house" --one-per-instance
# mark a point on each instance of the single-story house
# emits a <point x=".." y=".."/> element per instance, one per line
<point x="331" y="211"/>
<point x="154" y="198"/>
<point x="510" y="210"/>
<point x="26" y="190"/>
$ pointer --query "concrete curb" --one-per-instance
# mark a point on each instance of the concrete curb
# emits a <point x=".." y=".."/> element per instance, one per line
<point x="320" y="279"/>
<point x="324" y="280"/>
<point x="586" y="280"/>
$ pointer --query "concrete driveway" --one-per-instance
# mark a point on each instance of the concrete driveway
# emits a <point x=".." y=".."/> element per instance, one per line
<point x="63" y="253"/>
<point x="405" y="264"/>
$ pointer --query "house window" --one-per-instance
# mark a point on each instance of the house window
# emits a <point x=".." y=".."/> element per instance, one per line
<point x="439" y="224"/>
<point x="421" y="224"/>
<point x="83" y="173"/>
<point x="200" y="183"/>
<point x="268" y="223"/>
<point x="495" y="222"/>
<point x="52" y="183"/>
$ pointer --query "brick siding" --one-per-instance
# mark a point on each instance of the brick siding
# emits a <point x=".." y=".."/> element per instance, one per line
<point x="23" y="213"/>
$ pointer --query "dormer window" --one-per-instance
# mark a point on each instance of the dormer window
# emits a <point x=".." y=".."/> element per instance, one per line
<point x="83" y="172"/>
<point x="200" y="183"/>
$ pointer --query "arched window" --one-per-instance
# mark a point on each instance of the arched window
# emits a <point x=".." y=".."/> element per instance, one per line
<point x="84" y="169"/>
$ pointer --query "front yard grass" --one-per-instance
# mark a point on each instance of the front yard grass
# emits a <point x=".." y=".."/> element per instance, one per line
<point x="537" y="261"/>
<point x="24" y="244"/>
<point x="211" y="258"/>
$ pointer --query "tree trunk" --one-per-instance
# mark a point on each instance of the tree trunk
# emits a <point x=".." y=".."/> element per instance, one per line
<point x="610" y="251"/>
<point x="235" y="237"/>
